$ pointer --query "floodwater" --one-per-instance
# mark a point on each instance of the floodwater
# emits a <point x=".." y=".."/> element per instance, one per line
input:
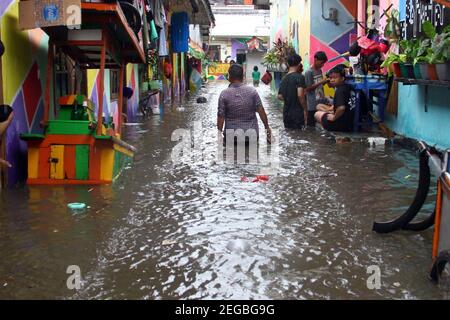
<point x="193" y="230"/>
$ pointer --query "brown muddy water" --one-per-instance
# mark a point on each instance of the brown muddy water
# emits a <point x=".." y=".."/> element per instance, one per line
<point x="194" y="230"/>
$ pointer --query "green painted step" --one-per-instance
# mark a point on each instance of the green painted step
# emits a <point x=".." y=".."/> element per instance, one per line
<point x="82" y="162"/>
<point x="68" y="127"/>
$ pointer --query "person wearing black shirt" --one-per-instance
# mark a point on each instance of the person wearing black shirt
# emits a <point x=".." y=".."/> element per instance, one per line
<point x="292" y="93"/>
<point x="341" y="114"/>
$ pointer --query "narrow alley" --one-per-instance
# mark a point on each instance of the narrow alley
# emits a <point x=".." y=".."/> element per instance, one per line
<point x="196" y="231"/>
<point x="225" y="159"/>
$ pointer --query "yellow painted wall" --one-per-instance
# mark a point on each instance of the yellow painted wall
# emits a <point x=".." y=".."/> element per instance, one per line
<point x="16" y="60"/>
<point x="107" y="164"/>
<point x="33" y="162"/>
<point x="57" y="169"/>
<point x="304" y="8"/>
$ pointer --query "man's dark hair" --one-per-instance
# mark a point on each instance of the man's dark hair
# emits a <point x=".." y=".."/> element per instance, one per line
<point x="321" y="56"/>
<point x="294" y="60"/>
<point x="255" y="68"/>
<point x="339" y="69"/>
<point x="236" y="72"/>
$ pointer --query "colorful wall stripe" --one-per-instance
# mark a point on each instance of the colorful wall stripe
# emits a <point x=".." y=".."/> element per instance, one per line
<point x="301" y="23"/>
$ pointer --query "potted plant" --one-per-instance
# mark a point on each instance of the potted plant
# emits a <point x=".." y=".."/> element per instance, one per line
<point x="410" y="49"/>
<point x="423" y="59"/>
<point x="276" y="58"/>
<point x="441" y="54"/>
<point x="392" y="64"/>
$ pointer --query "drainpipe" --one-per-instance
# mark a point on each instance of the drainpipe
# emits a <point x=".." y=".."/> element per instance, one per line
<point x="362" y="9"/>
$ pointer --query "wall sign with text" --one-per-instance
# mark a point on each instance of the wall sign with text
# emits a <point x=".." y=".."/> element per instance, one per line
<point x="419" y="11"/>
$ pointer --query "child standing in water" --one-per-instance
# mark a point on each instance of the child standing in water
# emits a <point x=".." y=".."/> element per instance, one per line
<point x="256" y="75"/>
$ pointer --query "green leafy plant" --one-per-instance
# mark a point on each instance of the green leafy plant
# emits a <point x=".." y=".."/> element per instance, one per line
<point x="278" y="54"/>
<point x="436" y="48"/>
<point x="391" y="59"/>
<point x="441" y="48"/>
<point x="410" y="48"/>
<point x="429" y="29"/>
<point x="392" y="31"/>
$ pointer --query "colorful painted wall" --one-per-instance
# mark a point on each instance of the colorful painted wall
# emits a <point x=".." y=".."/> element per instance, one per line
<point x="24" y="64"/>
<point x="110" y="105"/>
<point x="326" y="35"/>
<point x="24" y="67"/>
<point x="235" y="46"/>
<point x="301" y="23"/>
<point x="291" y="20"/>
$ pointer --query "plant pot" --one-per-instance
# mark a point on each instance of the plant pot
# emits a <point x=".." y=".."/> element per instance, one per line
<point x="443" y="71"/>
<point x="417" y="72"/>
<point x="424" y="70"/>
<point x="432" y="73"/>
<point x="407" y="70"/>
<point x="410" y="70"/>
<point x="396" y="69"/>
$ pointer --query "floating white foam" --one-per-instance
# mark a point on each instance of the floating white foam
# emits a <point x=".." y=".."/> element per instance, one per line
<point x="376" y="141"/>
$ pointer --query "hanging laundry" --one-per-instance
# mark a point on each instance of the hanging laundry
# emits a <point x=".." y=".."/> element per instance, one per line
<point x="154" y="33"/>
<point x="162" y="43"/>
<point x="179" y="34"/>
<point x="159" y="13"/>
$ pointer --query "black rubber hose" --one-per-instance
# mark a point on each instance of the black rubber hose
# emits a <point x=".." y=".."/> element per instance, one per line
<point x="419" y="200"/>
<point x="132" y="15"/>
<point x="421" y="225"/>
<point x="439" y="265"/>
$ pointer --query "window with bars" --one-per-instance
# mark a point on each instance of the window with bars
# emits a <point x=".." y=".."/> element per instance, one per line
<point x="69" y="78"/>
<point x="114" y="83"/>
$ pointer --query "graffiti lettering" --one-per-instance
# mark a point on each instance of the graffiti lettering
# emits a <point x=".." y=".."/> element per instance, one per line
<point x="419" y="11"/>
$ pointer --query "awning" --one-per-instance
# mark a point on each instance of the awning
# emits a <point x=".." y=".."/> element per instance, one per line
<point x="253" y="43"/>
<point x="195" y="50"/>
<point x="256" y="44"/>
<point x="100" y="21"/>
<point x="199" y="11"/>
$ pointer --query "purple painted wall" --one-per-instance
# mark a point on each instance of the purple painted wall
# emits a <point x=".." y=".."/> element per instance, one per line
<point x="3" y="5"/>
<point x="235" y="46"/>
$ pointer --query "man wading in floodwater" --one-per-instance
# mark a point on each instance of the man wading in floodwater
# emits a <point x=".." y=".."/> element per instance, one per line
<point x="292" y="93"/>
<point x="238" y="105"/>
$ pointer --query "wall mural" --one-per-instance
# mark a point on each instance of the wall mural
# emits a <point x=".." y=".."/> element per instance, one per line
<point x="24" y="65"/>
<point x="326" y="35"/>
<point x="302" y="24"/>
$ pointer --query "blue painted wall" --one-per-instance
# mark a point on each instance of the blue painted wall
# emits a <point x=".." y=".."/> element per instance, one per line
<point x="412" y="121"/>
